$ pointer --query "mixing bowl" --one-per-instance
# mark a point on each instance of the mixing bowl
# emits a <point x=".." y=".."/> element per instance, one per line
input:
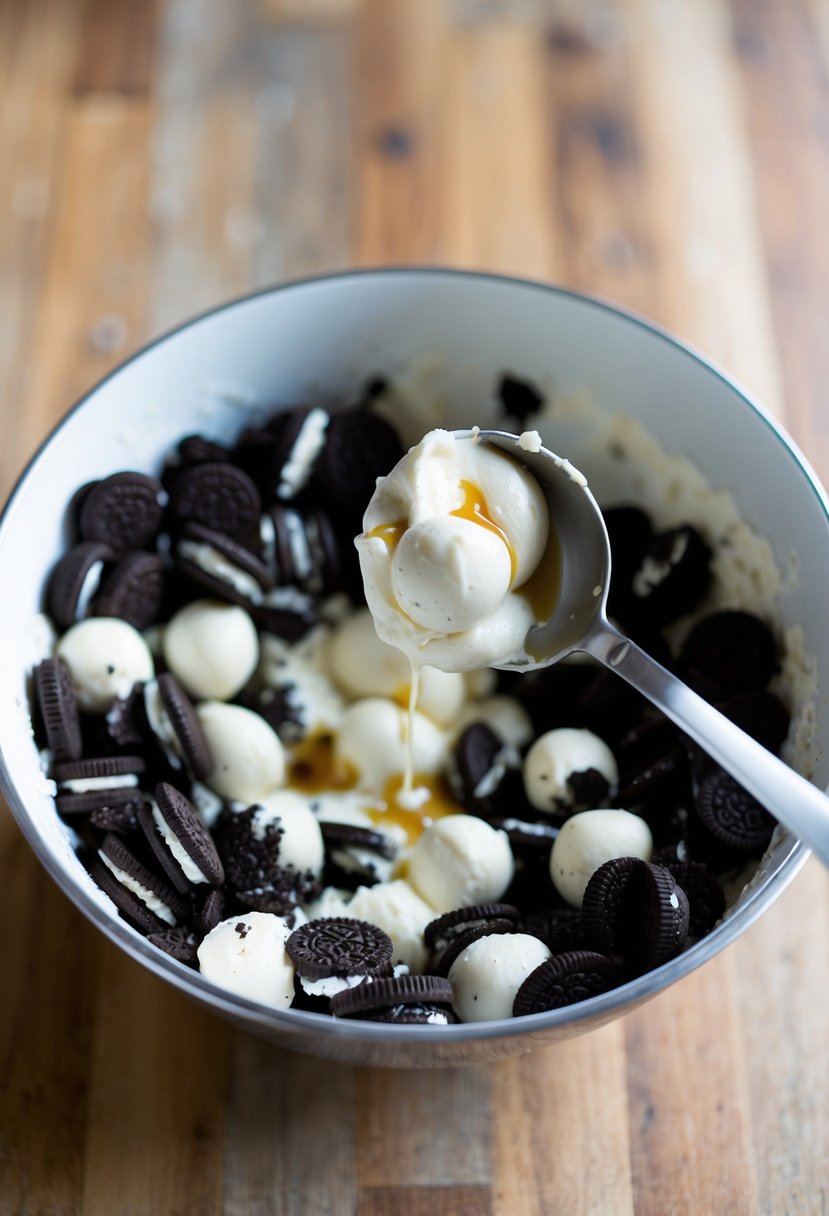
<point x="457" y="332"/>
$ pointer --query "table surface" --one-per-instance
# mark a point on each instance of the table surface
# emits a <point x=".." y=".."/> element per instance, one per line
<point x="158" y="156"/>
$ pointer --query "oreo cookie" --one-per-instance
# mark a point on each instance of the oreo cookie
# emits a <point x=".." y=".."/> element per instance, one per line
<point x="480" y="765"/>
<point x="602" y="912"/>
<point x="210" y="910"/>
<point x="287" y="613"/>
<point x="736" y="651"/>
<point x="180" y="944"/>
<point x="358" y="853"/>
<point x="133" y="590"/>
<point x="75" y="581"/>
<point x="359" y="448"/>
<point x="179" y="839"/>
<point x="301" y="438"/>
<point x="218" y="564"/>
<point x="339" y="946"/>
<point x="218" y="495"/>
<point x="131" y="883"/>
<point x="654" y="918"/>
<point x="671" y="579"/>
<point x="97" y="783"/>
<point x="123" y="512"/>
<point x="250" y="860"/>
<point x="58" y="708"/>
<point x="175" y="724"/>
<point x="444" y="928"/>
<point x="300" y="550"/>
<point x="731" y="814"/>
<point x="560" y="929"/>
<point x="390" y="991"/>
<point x="414" y="1015"/>
<point x="564" y="980"/>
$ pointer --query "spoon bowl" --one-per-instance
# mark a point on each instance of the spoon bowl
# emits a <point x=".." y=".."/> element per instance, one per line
<point x="579" y="622"/>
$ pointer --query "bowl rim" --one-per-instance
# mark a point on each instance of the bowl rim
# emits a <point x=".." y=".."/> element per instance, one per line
<point x="596" y="1009"/>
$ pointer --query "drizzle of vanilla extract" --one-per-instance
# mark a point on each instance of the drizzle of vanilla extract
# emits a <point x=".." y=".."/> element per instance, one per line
<point x="438" y="805"/>
<point x="315" y="768"/>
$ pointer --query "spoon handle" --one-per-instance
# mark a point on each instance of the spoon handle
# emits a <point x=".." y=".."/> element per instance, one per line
<point x="798" y="804"/>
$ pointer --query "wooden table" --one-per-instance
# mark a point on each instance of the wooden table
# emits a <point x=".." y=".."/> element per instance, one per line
<point x="158" y="156"/>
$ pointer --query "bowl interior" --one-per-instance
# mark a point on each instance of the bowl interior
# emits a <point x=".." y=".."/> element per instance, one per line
<point x="449" y="337"/>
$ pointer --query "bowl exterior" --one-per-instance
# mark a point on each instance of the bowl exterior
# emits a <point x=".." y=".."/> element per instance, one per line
<point x="324" y="339"/>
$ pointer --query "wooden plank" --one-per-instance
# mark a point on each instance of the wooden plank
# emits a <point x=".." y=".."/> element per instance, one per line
<point x="97" y="258"/>
<point x="425" y="1201"/>
<point x="423" y="1128"/>
<point x="116" y="47"/>
<point x="497" y="171"/>
<point x="303" y="196"/>
<point x="785" y="1019"/>
<point x="202" y="154"/>
<point x="46" y="1015"/>
<point x="784" y="79"/>
<point x="598" y="182"/>
<point x="689" y="1115"/>
<point x="700" y="192"/>
<point x="289" y="1144"/>
<point x="41" y="33"/>
<point x="155" y="1108"/>
<point x="401" y="70"/>
<point x="307" y="10"/>
<point x="560" y="1130"/>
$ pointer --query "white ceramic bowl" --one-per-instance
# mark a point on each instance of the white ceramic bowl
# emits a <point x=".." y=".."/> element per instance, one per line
<point x="324" y="338"/>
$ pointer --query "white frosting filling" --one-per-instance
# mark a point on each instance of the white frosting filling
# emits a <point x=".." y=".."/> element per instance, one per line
<point x="330" y="985"/>
<point x="86" y="785"/>
<point x="146" y="896"/>
<point x="160" y="723"/>
<point x="89" y="588"/>
<point x="307" y="446"/>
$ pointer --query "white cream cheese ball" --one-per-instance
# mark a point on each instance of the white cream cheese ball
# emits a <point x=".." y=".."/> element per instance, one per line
<point x="448" y="539"/>
<point x="372" y="740"/>
<point x="246" y="955"/>
<point x="460" y="860"/>
<point x="105" y="657"/>
<point x="300" y="845"/>
<point x="365" y="666"/>
<point x="211" y="648"/>
<point x="248" y="758"/>
<point x="487" y="975"/>
<point x="399" y="911"/>
<point x="556" y="756"/>
<point x="589" y="839"/>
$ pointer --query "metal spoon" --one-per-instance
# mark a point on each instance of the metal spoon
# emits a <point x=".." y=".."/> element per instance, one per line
<point x="579" y="622"/>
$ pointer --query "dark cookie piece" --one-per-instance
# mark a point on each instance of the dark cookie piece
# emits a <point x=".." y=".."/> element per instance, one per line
<point x="126" y="721"/>
<point x="731" y="814"/>
<point x="565" y="980"/>
<point x="251" y="862"/>
<point x="346" y="847"/>
<point x="518" y="399"/>
<point x="122" y="819"/>
<point x="123" y="511"/>
<point x="196" y="449"/>
<point x="130" y="906"/>
<point x="441" y="929"/>
<point x="761" y="714"/>
<point x="188" y="832"/>
<point x="133" y="590"/>
<point x="97" y="783"/>
<point x="280" y="895"/>
<point x="300" y="551"/>
<point x="339" y="946"/>
<point x="359" y="448"/>
<point x="115" y="851"/>
<point x="735" y="650"/>
<point x="414" y="1015"/>
<point x="219" y="496"/>
<point x="209" y="912"/>
<point x="706" y="897"/>
<point x="669" y="772"/>
<point x="68" y="593"/>
<point x="392" y="990"/>
<point x="653" y="918"/>
<point x="442" y="961"/>
<point x="218" y="564"/>
<point x="184" y="722"/>
<point x="629" y="531"/>
<point x="58" y="709"/>
<point x="671" y="580"/>
<point x="601" y="910"/>
<point x="279" y="709"/>
<point x="560" y="929"/>
<point x="287" y="613"/>
<point x="180" y="944"/>
<point x="478" y="769"/>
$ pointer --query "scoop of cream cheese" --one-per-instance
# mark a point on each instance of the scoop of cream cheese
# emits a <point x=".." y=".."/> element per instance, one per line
<point x="449" y="538"/>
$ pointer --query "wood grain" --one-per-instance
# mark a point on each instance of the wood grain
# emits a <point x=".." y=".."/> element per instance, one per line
<point x="162" y="156"/>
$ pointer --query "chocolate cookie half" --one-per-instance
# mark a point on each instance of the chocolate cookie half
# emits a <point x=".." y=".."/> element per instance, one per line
<point x="58" y="709"/>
